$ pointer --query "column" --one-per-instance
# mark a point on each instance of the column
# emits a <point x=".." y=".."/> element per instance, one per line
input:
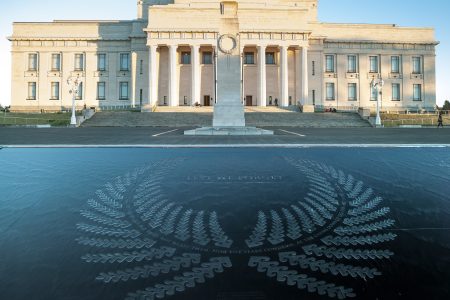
<point x="153" y="76"/>
<point x="284" y="77"/>
<point x="305" y="88"/>
<point x="173" y="80"/>
<point x="262" y="83"/>
<point x="133" y="77"/>
<point x="195" y="64"/>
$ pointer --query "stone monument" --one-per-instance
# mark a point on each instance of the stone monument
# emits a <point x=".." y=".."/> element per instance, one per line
<point x="229" y="116"/>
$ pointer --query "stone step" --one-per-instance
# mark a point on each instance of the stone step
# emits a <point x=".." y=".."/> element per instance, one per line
<point x="200" y="119"/>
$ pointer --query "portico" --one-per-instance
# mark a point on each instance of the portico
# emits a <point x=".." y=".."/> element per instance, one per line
<point x="271" y="73"/>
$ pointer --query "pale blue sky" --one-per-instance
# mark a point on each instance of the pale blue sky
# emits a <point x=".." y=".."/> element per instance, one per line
<point x="402" y="12"/>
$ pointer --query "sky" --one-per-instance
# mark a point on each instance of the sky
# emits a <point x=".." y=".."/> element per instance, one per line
<point x="414" y="13"/>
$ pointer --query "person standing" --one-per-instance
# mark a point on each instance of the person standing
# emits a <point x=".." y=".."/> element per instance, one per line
<point x="440" y="122"/>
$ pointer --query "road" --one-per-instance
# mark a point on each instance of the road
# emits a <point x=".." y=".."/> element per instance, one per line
<point x="169" y="136"/>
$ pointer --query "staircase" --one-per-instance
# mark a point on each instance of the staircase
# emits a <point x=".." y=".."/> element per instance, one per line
<point x="256" y="117"/>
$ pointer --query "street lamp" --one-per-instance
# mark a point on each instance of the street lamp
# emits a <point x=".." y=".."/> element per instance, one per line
<point x="378" y="84"/>
<point x="73" y="83"/>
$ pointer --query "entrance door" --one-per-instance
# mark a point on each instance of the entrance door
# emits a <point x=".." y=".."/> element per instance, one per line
<point x="249" y="100"/>
<point x="207" y="100"/>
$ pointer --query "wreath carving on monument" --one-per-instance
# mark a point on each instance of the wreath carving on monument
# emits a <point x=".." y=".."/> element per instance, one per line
<point x="227" y="43"/>
<point x="334" y="232"/>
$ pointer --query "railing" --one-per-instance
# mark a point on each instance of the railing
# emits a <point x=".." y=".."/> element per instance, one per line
<point x="338" y="108"/>
<point x="118" y="107"/>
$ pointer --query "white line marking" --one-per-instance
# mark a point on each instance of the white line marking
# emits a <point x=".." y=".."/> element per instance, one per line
<point x="156" y="146"/>
<point x="294" y="133"/>
<point x="165" y="132"/>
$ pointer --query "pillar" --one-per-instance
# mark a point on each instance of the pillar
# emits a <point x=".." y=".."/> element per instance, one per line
<point x="305" y="88"/>
<point x="195" y="64"/>
<point x="174" y="98"/>
<point x="153" y="75"/>
<point x="284" y="77"/>
<point x="262" y="82"/>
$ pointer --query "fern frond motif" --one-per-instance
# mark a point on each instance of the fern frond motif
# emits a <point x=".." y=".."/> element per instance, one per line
<point x="344" y="253"/>
<point x="186" y="280"/>
<point x="276" y="235"/>
<point x="164" y="267"/>
<point x="117" y="243"/>
<point x="127" y="257"/>
<point x="353" y="230"/>
<point x="217" y="233"/>
<point x="199" y="231"/>
<point x="272" y="269"/>
<point x="258" y="235"/>
<point x="326" y="267"/>
<point x="358" y="240"/>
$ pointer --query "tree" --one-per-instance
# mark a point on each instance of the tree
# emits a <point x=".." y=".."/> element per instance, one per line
<point x="446" y="105"/>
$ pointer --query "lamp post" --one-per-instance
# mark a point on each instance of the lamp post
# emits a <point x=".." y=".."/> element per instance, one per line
<point x="73" y="83"/>
<point x="378" y="84"/>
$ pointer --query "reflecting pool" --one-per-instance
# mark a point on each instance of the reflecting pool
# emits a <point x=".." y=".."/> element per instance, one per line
<point x="250" y="223"/>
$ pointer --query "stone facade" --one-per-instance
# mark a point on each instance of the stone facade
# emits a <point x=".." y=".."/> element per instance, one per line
<point x="167" y="57"/>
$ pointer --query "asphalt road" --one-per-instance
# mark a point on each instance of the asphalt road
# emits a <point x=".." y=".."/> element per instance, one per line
<point x="154" y="136"/>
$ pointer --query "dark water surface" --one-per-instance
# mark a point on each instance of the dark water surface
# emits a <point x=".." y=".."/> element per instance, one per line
<point x="225" y="223"/>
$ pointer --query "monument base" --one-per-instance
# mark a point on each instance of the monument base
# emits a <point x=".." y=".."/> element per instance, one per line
<point x="229" y="115"/>
<point x="227" y="131"/>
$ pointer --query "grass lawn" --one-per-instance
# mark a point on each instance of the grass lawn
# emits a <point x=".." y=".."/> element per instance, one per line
<point x="54" y="119"/>
<point x="393" y="120"/>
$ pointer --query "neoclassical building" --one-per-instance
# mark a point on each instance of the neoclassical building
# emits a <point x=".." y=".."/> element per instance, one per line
<point x="167" y="57"/>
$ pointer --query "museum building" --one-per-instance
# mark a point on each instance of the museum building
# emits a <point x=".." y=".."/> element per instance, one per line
<point x="167" y="57"/>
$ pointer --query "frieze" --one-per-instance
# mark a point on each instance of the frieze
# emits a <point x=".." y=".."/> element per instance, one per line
<point x="378" y="46"/>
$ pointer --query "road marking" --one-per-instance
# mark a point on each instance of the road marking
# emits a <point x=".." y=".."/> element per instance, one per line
<point x="165" y="132"/>
<point x="287" y="146"/>
<point x="294" y="133"/>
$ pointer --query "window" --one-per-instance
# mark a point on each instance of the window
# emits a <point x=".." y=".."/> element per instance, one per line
<point x="313" y="68"/>
<point x="141" y="67"/>
<point x="55" y="91"/>
<point x="417" y="66"/>
<point x="329" y="63"/>
<point x="330" y="91"/>
<point x="101" y="62"/>
<point x="373" y="93"/>
<point x="79" y="62"/>
<point x="395" y="64"/>
<point x="79" y="95"/>
<point x="314" y="97"/>
<point x="101" y="90"/>
<point x="395" y="92"/>
<point x="185" y="58"/>
<point x="56" y="62"/>
<point x="352" y="92"/>
<point x="207" y="58"/>
<point x="124" y="62"/>
<point x="123" y="93"/>
<point x="249" y="58"/>
<point x="373" y="64"/>
<point x="417" y="93"/>
<point x="351" y="68"/>
<point x="32" y="62"/>
<point x="270" y="58"/>
<point x="31" y="91"/>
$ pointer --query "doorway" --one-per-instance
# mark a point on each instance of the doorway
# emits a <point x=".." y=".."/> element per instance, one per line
<point x="248" y="100"/>
<point x="207" y="100"/>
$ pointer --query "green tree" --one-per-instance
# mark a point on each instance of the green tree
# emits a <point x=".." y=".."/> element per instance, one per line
<point x="446" y="105"/>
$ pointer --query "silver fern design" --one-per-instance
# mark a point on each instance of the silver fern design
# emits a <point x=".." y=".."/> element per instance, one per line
<point x="139" y="234"/>
<point x="338" y="227"/>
